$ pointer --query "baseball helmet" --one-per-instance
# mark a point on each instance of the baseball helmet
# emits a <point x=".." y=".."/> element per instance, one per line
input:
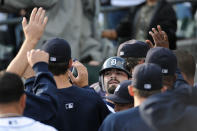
<point x="114" y="63"/>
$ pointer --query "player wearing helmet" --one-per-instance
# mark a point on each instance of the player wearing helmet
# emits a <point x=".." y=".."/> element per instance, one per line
<point x="112" y="73"/>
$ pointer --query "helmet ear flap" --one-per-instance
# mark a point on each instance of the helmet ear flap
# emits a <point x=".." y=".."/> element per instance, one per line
<point x="101" y="82"/>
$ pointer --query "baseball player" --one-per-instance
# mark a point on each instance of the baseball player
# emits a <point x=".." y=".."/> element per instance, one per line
<point x="147" y="80"/>
<point x="12" y="104"/>
<point x="165" y="111"/>
<point x="134" y="53"/>
<point x="112" y="73"/>
<point x="68" y="107"/>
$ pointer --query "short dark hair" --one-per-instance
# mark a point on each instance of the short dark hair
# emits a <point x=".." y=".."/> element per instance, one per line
<point x="11" y="87"/>
<point x="144" y="93"/>
<point x="131" y="62"/>
<point x="186" y="63"/>
<point x="58" y="68"/>
<point x="169" y="81"/>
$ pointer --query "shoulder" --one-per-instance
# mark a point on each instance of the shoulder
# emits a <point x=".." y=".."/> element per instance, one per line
<point x="123" y="116"/>
<point x="84" y="93"/>
<point x="39" y="126"/>
<point x="24" y="123"/>
<point x="116" y="121"/>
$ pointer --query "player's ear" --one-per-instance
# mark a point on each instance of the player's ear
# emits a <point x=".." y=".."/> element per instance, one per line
<point x="22" y="102"/>
<point x="164" y="88"/>
<point x="130" y="88"/>
<point x="70" y="63"/>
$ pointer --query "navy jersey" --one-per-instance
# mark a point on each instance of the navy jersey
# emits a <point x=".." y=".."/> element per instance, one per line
<point x="128" y="120"/>
<point x="41" y="102"/>
<point x="80" y="109"/>
<point x="172" y="110"/>
<point x="71" y="108"/>
<point x="180" y="82"/>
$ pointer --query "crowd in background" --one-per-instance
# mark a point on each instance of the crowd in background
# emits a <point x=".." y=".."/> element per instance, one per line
<point x="145" y="82"/>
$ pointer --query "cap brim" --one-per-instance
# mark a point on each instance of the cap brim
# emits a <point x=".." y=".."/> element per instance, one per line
<point x="117" y="99"/>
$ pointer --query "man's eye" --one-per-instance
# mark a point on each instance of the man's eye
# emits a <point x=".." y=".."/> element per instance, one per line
<point x="119" y="73"/>
<point x="107" y="73"/>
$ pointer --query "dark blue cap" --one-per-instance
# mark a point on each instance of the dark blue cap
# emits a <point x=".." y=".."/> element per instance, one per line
<point x="121" y="94"/>
<point x="133" y="48"/>
<point x="164" y="57"/>
<point x="147" y="77"/>
<point x="59" y="50"/>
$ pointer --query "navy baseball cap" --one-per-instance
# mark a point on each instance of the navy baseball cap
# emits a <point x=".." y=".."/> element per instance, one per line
<point x="164" y="57"/>
<point x="147" y="77"/>
<point x="59" y="50"/>
<point x="121" y="94"/>
<point x="133" y="48"/>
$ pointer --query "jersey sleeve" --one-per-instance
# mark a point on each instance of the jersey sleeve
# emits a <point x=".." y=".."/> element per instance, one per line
<point x="41" y="103"/>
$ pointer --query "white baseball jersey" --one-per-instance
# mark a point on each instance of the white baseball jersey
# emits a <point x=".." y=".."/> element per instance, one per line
<point x="23" y="124"/>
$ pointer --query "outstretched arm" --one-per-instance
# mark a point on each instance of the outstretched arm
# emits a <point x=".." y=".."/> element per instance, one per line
<point x="33" y="32"/>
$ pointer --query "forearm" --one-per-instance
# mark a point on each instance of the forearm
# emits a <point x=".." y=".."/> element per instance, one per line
<point x="28" y="73"/>
<point x="33" y="32"/>
<point x="44" y="82"/>
<point x="19" y="64"/>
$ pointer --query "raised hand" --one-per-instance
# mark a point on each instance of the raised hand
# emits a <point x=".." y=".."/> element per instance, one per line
<point x="37" y="23"/>
<point x="33" y="32"/>
<point x="160" y="38"/>
<point x="35" y="56"/>
<point x="82" y="79"/>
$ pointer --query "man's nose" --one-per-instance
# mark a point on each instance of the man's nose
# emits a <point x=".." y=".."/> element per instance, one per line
<point x="113" y="74"/>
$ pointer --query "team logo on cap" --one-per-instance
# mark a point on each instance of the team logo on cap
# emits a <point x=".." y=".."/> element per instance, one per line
<point x="121" y="53"/>
<point x="113" y="62"/>
<point x="147" y="86"/>
<point x="53" y="59"/>
<point x="164" y="71"/>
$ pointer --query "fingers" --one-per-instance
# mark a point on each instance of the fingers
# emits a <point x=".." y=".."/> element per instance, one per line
<point x="80" y="67"/>
<point x="72" y="78"/>
<point x="166" y="39"/>
<point x="165" y="35"/>
<point x="36" y="26"/>
<point x="39" y="12"/>
<point x="41" y="18"/>
<point x="24" y="22"/>
<point x="157" y="35"/>
<point x="82" y="79"/>
<point x="33" y="14"/>
<point x="45" y="21"/>
<point x="38" y="16"/>
<point x="153" y="36"/>
<point x="35" y="56"/>
<point x="150" y="43"/>
<point x="159" y="29"/>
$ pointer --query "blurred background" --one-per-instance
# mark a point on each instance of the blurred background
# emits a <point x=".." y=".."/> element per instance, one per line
<point x="100" y="15"/>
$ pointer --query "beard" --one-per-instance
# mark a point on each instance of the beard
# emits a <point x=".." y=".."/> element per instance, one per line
<point x="111" y="89"/>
